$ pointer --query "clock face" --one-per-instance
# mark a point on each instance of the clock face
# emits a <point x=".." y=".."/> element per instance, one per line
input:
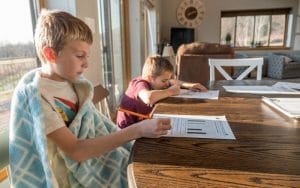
<point x="190" y="13"/>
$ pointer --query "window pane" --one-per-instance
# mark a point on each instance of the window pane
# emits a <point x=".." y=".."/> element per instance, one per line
<point x="262" y="29"/>
<point x="244" y="30"/>
<point x="111" y="34"/>
<point x="277" y="31"/>
<point x="17" y="53"/>
<point x="117" y="47"/>
<point x="227" y="29"/>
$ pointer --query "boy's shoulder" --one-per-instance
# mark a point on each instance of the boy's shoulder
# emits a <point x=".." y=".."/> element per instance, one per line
<point x="28" y="80"/>
<point x="138" y="80"/>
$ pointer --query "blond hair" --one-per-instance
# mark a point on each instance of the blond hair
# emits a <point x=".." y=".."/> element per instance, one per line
<point x="155" y="66"/>
<point x="56" y="28"/>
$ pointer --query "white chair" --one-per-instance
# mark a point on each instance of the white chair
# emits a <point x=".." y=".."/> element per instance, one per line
<point x="251" y="63"/>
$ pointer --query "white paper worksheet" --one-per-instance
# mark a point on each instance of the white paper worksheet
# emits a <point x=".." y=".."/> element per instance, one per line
<point x="288" y="106"/>
<point x="210" y="94"/>
<point x="278" y="88"/>
<point x="215" y="127"/>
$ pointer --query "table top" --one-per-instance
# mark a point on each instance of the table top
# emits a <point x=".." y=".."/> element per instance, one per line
<point x="266" y="152"/>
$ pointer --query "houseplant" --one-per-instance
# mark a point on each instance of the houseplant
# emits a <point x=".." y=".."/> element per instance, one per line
<point x="228" y="38"/>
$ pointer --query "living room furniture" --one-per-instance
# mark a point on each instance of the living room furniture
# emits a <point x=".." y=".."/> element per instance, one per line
<point x="277" y="64"/>
<point x="192" y="61"/>
<point x="284" y="65"/>
<point x="249" y="63"/>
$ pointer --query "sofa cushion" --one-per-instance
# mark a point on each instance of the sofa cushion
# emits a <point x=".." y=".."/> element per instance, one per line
<point x="283" y="66"/>
<point x="275" y="66"/>
<point x="287" y="59"/>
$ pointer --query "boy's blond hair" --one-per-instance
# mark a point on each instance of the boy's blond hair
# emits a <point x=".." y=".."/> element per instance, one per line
<point x="56" y="28"/>
<point x="155" y="66"/>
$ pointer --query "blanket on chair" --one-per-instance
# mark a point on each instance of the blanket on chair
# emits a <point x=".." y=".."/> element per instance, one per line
<point x="29" y="165"/>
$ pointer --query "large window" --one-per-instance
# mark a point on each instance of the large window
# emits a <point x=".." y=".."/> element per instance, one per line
<point x="111" y="33"/>
<point x="257" y="28"/>
<point x="17" y="53"/>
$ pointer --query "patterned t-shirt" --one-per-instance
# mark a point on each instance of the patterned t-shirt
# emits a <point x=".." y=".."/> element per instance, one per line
<point x="60" y="106"/>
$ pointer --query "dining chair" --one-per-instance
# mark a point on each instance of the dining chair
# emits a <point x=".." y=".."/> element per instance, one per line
<point x="249" y="63"/>
<point x="100" y="100"/>
<point x="4" y="159"/>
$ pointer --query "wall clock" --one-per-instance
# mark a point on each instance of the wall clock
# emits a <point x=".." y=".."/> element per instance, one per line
<point x="190" y="13"/>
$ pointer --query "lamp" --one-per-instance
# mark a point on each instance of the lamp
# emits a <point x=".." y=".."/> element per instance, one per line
<point x="168" y="52"/>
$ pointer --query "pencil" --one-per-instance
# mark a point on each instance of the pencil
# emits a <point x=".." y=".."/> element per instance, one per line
<point x="134" y="113"/>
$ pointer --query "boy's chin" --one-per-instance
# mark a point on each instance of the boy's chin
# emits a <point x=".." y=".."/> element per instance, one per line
<point x="74" y="79"/>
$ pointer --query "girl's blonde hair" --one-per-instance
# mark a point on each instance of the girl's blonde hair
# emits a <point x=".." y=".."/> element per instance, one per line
<point x="155" y="66"/>
<point x="56" y="28"/>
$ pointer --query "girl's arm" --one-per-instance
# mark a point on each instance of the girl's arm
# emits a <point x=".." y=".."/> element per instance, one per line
<point x="81" y="150"/>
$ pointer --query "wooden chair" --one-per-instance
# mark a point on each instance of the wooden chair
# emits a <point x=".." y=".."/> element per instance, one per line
<point x="4" y="157"/>
<point x="251" y="63"/>
<point x="100" y="100"/>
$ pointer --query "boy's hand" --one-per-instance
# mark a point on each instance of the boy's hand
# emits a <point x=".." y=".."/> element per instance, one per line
<point x="174" y="89"/>
<point x="154" y="128"/>
<point x="197" y="87"/>
<point x="174" y="82"/>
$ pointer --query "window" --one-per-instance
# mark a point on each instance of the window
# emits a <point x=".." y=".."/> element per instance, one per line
<point x="150" y="29"/>
<point x="17" y="52"/>
<point x="257" y="28"/>
<point x="111" y="33"/>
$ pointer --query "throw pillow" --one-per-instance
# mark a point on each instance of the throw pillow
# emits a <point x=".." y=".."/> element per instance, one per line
<point x="287" y="59"/>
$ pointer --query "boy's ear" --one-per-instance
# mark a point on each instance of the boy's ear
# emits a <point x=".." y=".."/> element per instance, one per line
<point x="49" y="54"/>
<point x="150" y="78"/>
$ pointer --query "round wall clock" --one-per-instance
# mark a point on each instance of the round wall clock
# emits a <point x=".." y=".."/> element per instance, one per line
<point x="190" y="13"/>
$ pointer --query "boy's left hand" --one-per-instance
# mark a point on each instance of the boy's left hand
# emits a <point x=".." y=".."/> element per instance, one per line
<point x="197" y="87"/>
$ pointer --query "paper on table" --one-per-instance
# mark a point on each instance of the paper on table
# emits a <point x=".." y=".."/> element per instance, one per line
<point x="262" y="89"/>
<point x="210" y="94"/>
<point x="215" y="127"/>
<point x="288" y="106"/>
<point x="287" y="86"/>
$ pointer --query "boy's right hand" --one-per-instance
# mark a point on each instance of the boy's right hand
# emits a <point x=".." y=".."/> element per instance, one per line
<point x="154" y="128"/>
<point x="174" y="89"/>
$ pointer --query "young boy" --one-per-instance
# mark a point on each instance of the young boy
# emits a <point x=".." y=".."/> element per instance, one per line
<point x="57" y="137"/>
<point x="144" y="91"/>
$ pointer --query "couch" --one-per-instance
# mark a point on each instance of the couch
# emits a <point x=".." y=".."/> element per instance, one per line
<point x="192" y="61"/>
<point x="284" y="65"/>
<point x="277" y="65"/>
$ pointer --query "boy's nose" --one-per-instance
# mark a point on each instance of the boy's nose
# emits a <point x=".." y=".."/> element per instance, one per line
<point x="85" y="65"/>
<point x="167" y="85"/>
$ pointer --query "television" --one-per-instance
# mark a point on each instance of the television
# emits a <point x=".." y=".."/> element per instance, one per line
<point x="181" y="36"/>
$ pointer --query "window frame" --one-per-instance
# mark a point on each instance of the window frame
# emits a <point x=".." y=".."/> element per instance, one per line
<point x="254" y="13"/>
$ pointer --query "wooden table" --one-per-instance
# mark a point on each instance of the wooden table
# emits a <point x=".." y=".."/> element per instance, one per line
<point x="266" y="152"/>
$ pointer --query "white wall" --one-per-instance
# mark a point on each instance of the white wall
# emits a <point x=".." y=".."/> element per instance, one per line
<point x="209" y="30"/>
<point x="87" y="11"/>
